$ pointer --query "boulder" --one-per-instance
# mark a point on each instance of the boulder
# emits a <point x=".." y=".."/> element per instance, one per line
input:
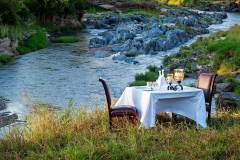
<point x="137" y="43"/>
<point x="6" y="47"/>
<point x="123" y="35"/>
<point x="3" y="104"/>
<point x="108" y="36"/>
<point x="228" y="100"/>
<point x="119" y="57"/>
<point x="97" y="42"/>
<point x="122" y="47"/>
<point x="154" y="32"/>
<point x="188" y="20"/>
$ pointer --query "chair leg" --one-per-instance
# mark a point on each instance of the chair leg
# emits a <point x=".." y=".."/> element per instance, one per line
<point x="133" y="120"/>
<point x="209" y="115"/>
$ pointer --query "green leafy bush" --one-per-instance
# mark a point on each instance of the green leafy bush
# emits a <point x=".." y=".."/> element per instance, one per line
<point x="65" y="39"/>
<point x="4" y="58"/>
<point x="131" y="54"/>
<point x="34" y="42"/>
<point x="138" y="83"/>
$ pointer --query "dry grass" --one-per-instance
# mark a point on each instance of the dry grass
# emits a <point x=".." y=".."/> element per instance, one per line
<point x="72" y="134"/>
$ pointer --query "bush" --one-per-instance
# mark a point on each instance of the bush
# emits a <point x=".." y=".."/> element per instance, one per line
<point x="34" y="42"/>
<point x="65" y="39"/>
<point x="9" y="10"/>
<point x="131" y="54"/>
<point x="138" y="83"/>
<point x="4" y="58"/>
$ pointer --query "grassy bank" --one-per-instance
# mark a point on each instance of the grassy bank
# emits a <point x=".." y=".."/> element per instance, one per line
<point x="65" y="39"/>
<point x="33" y="43"/>
<point x="79" y="134"/>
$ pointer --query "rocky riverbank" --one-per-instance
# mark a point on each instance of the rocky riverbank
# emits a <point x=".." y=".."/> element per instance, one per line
<point x="217" y="53"/>
<point x="135" y="32"/>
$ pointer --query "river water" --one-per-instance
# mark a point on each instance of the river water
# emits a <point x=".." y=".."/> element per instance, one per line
<point x="62" y="72"/>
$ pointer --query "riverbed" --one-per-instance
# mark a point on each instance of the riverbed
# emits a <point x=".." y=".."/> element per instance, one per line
<point x="61" y="73"/>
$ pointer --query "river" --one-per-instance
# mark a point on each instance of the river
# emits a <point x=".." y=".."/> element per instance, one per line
<point x="62" y="72"/>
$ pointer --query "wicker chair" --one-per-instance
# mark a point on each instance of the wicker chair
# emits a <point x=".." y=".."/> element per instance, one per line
<point x="206" y="82"/>
<point x="119" y="111"/>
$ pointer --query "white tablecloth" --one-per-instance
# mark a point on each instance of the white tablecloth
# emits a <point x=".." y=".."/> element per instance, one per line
<point x="189" y="102"/>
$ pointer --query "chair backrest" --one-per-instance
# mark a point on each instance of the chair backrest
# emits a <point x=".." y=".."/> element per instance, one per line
<point x="107" y="93"/>
<point x="206" y="82"/>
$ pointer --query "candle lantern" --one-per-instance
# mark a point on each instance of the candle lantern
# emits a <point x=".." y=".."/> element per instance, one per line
<point x="178" y="77"/>
<point x="169" y="81"/>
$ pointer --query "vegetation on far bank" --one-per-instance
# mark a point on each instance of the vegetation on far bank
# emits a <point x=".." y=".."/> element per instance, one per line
<point x="34" y="42"/>
<point x="65" y="39"/>
<point x="4" y="58"/>
<point x="72" y="134"/>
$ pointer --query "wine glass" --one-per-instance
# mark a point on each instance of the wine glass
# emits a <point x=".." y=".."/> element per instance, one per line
<point x="179" y="77"/>
<point x="169" y="81"/>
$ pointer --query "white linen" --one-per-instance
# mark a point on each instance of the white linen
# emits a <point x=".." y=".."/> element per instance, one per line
<point x="189" y="102"/>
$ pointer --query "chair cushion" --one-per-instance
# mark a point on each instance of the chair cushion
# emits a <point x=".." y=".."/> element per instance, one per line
<point x="124" y="110"/>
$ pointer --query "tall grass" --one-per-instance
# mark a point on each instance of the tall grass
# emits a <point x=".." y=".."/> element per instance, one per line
<point x="72" y="134"/>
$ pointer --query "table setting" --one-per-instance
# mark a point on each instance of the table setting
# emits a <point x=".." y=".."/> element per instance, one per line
<point x="166" y="94"/>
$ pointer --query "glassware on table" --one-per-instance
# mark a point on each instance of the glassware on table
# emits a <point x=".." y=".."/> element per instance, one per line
<point x="169" y="80"/>
<point x="179" y="77"/>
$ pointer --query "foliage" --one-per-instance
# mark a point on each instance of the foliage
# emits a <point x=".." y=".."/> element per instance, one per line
<point x="146" y="12"/>
<point x="47" y="9"/>
<point x="138" y="83"/>
<point x="131" y="54"/>
<point x="148" y="76"/>
<point x="220" y="50"/>
<point x="10" y="11"/>
<point x="227" y="50"/>
<point x="34" y="42"/>
<point x="80" y="134"/>
<point x="4" y="58"/>
<point x="65" y="39"/>
<point x="13" y="32"/>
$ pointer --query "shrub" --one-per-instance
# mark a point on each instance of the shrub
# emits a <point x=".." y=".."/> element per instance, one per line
<point x="65" y="39"/>
<point x="34" y="42"/>
<point x="152" y="68"/>
<point x="137" y="83"/>
<point x="131" y="54"/>
<point x="4" y="58"/>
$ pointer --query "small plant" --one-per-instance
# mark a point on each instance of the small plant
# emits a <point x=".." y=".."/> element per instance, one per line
<point x="4" y="58"/>
<point x="65" y="39"/>
<point x="137" y="83"/>
<point x="131" y="54"/>
<point x="34" y="42"/>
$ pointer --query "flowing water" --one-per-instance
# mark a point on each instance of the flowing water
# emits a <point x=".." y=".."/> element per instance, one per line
<point x="62" y="72"/>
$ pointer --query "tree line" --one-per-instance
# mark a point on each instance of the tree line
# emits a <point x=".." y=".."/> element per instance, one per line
<point x="13" y="12"/>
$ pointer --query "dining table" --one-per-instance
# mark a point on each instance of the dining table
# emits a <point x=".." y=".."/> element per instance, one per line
<point x="189" y="102"/>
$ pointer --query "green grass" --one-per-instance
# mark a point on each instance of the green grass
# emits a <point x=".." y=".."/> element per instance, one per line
<point x="79" y="134"/>
<point x="146" y="12"/>
<point x="66" y="39"/>
<point x="4" y="58"/>
<point x="34" y="42"/>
